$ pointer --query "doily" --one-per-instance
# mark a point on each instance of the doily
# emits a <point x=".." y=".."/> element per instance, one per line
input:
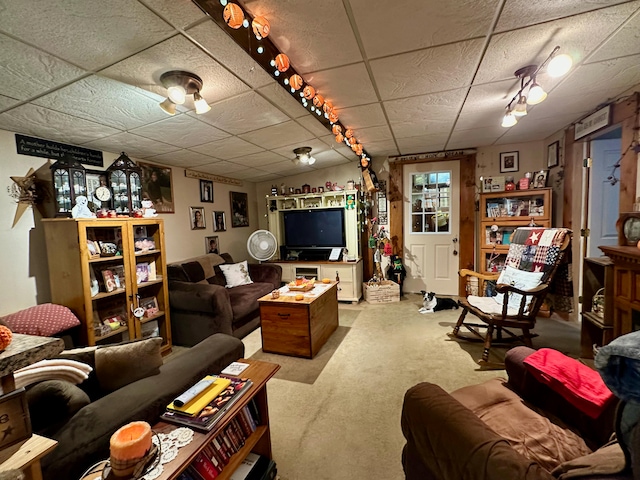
<point x="168" y="444"/>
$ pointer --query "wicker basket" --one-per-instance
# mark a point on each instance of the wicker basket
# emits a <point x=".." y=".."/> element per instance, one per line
<point x="597" y="304"/>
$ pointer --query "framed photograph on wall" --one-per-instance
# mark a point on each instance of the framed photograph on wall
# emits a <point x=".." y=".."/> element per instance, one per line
<point x="206" y="191"/>
<point x="539" y="179"/>
<point x="219" y="222"/>
<point x="212" y="244"/>
<point x="156" y="186"/>
<point x="196" y="214"/>
<point x="553" y="154"/>
<point x="509" y="162"/>
<point x="239" y="209"/>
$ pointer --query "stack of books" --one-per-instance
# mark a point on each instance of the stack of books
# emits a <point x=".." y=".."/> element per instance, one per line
<point x="254" y="467"/>
<point x="206" y="407"/>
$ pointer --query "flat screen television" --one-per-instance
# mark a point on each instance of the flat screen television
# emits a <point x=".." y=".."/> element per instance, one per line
<point x="321" y="228"/>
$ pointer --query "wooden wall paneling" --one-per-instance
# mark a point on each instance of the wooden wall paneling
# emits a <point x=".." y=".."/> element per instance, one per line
<point x="395" y="197"/>
<point x="625" y="113"/>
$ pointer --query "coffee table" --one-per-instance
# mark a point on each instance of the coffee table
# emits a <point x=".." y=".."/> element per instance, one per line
<point x="299" y="327"/>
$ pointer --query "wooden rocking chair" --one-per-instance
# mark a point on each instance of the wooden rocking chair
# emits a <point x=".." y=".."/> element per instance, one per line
<point x="532" y="261"/>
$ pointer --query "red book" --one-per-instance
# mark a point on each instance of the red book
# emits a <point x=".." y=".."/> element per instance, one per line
<point x="204" y="467"/>
<point x="211" y="455"/>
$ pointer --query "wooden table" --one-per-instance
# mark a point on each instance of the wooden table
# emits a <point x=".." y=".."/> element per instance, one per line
<point x="299" y="327"/>
<point x="27" y="457"/>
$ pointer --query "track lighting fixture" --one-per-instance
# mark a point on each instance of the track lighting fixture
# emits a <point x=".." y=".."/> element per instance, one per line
<point x="179" y="84"/>
<point x="556" y="66"/>
<point x="303" y="156"/>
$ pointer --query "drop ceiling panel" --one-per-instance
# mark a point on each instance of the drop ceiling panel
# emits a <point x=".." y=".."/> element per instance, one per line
<point x="221" y="46"/>
<point x="6" y="102"/>
<point x="259" y="160"/>
<point x="183" y="158"/>
<point x="250" y="174"/>
<point x="286" y="166"/>
<point x="426" y="71"/>
<point x="284" y="100"/>
<point x="344" y="86"/>
<point x="371" y="134"/>
<point x="266" y="177"/>
<point x="243" y="113"/>
<point x="486" y="104"/>
<point x="278" y="135"/>
<point x="316" y="145"/>
<point x="363" y="116"/>
<point x="221" y="168"/>
<point x="105" y="101"/>
<point x="424" y="115"/>
<point x="48" y="124"/>
<point x="181" y="130"/>
<point x="382" y="149"/>
<point x="132" y="145"/>
<point x="315" y="36"/>
<point x="544" y="127"/>
<point x="575" y="35"/>
<point x="476" y="137"/>
<point x="178" y="53"/>
<point x="90" y="35"/>
<point x="331" y="158"/>
<point x="27" y="71"/>
<point x="313" y="124"/>
<point x="178" y="14"/>
<point x="622" y="43"/>
<point x="426" y="143"/>
<point x="228" y="148"/>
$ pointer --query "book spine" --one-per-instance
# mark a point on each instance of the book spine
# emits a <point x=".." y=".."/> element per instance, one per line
<point x="249" y="417"/>
<point x="237" y="429"/>
<point x="214" y="454"/>
<point x="222" y="452"/>
<point x="230" y="447"/>
<point x="194" y="473"/>
<point x="232" y="436"/>
<point x="255" y="411"/>
<point x="209" y="452"/>
<point x="244" y="424"/>
<point x="204" y="467"/>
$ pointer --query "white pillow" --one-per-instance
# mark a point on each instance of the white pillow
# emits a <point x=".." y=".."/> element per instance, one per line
<point x="236" y="274"/>
<point x="521" y="280"/>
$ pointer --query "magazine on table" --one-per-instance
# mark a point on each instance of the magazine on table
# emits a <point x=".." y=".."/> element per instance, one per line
<point x="215" y="410"/>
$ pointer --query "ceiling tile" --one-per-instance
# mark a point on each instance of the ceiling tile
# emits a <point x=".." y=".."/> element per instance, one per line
<point x="344" y="86"/>
<point x="178" y="53"/>
<point x="180" y="130"/>
<point x="265" y="178"/>
<point x="51" y="125"/>
<point x="183" y="158"/>
<point x="178" y="14"/>
<point x="520" y="13"/>
<point x="422" y="144"/>
<point x="316" y="145"/>
<point x="222" y="47"/>
<point x="258" y="160"/>
<point x="323" y="39"/>
<point x="424" y="115"/>
<point x="285" y="101"/>
<point x="392" y="28"/>
<point x="539" y="129"/>
<point x="377" y="134"/>
<point x="576" y="36"/>
<point x="622" y="43"/>
<point x="6" y="102"/>
<point x="476" y="137"/>
<point x="105" y="101"/>
<point x="222" y="168"/>
<point x="382" y="149"/>
<point x="243" y="113"/>
<point x="227" y="148"/>
<point x="486" y="104"/>
<point x="363" y="116"/>
<point x="426" y="71"/>
<point x="90" y="35"/>
<point x="278" y="135"/>
<point x="27" y="71"/>
<point x="287" y="167"/>
<point x="313" y="124"/>
<point x="250" y="174"/>
<point x="330" y="158"/>
<point x="132" y="145"/>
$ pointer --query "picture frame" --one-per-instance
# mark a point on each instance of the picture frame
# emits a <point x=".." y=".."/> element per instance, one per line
<point x="509" y="162"/>
<point x="219" y="222"/>
<point x="157" y="187"/>
<point x="206" y="191"/>
<point x="239" y="209"/>
<point x="539" y="178"/>
<point x="212" y="244"/>
<point x="553" y="154"/>
<point x="196" y="216"/>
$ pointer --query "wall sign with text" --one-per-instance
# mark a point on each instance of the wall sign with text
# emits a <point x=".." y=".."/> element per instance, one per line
<point x="37" y="147"/>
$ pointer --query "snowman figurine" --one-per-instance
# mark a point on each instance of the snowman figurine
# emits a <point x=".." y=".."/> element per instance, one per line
<point x="81" y="209"/>
<point x="147" y="209"/>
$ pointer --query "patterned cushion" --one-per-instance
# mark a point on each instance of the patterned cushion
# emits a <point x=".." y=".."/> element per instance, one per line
<point x="42" y="320"/>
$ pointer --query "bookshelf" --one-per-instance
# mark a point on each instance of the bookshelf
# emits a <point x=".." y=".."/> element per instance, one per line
<point x="596" y="326"/>
<point x="508" y="211"/>
<point x="98" y="284"/>
<point x="258" y="442"/>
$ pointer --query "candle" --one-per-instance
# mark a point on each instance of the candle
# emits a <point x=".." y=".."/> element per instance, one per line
<point x="128" y="445"/>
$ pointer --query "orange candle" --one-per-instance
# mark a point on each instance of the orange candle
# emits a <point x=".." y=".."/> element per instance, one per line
<point x="128" y="445"/>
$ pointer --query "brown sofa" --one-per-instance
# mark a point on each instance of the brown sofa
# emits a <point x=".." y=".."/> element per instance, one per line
<point x="201" y="305"/>
<point x="505" y="429"/>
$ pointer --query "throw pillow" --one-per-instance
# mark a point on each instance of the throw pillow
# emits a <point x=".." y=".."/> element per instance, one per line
<point x="41" y="320"/>
<point x="521" y="280"/>
<point x="236" y="274"/>
<point x="52" y="401"/>
<point x="120" y="365"/>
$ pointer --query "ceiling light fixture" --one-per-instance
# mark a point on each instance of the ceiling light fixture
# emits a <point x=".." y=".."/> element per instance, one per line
<point x="557" y="65"/>
<point x="179" y="84"/>
<point x="303" y="156"/>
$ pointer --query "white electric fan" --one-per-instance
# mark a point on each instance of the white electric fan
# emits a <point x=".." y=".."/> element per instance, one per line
<point x="262" y="245"/>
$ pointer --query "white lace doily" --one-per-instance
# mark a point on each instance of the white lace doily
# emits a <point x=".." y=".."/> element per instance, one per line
<point x="169" y="444"/>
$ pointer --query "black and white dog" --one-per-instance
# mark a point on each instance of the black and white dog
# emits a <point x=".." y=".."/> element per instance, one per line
<point x="430" y="303"/>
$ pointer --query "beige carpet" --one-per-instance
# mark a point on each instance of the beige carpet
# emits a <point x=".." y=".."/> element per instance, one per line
<point x="346" y="423"/>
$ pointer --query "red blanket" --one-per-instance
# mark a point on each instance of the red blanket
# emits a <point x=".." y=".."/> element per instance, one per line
<point x="578" y="384"/>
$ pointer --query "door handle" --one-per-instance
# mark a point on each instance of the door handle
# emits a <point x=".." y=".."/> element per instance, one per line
<point x="455" y="245"/>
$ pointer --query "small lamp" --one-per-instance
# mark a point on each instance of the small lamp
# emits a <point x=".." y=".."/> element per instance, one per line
<point x="536" y="94"/>
<point x="303" y="156"/>
<point x="509" y="119"/>
<point x="124" y="179"/>
<point x="69" y="181"/>
<point x="520" y="109"/>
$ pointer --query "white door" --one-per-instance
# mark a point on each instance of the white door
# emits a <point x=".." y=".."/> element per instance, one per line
<point x="604" y="198"/>
<point x="431" y="218"/>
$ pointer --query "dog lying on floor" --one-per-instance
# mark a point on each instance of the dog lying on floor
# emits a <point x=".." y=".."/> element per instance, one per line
<point x="431" y="303"/>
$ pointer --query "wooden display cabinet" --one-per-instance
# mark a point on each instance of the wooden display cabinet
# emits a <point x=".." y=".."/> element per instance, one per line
<point x="508" y="211"/>
<point x="597" y="326"/>
<point x="97" y="284"/>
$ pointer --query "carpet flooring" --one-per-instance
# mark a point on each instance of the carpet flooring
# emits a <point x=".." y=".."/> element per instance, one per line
<point x="337" y="416"/>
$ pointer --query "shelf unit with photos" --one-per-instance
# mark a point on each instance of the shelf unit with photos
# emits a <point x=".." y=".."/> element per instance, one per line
<point x="508" y="211"/>
<point x="103" y="285"/>
<point x="258" y="442"/>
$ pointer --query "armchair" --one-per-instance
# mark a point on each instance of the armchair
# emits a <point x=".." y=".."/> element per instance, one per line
<point x="532" y="261"/>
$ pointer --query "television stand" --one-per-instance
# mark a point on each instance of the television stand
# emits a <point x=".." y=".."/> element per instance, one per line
<point x="305" y="254"/>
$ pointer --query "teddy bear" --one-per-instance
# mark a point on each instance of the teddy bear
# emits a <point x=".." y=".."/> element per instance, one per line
<point x="147" y="209"/>
<point x="81" y="208"/>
